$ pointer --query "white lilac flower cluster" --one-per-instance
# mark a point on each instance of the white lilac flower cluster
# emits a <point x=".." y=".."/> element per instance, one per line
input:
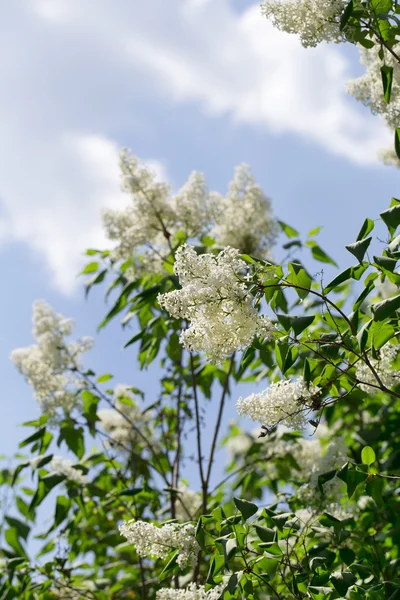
<point x="187" y="504"/>
<point x="314" y="21"/>
<point x="144" y="231"/>
<point x="369" y="89"/>
<point x="285" y="402"/>
<point x="158" y="542"/>
<point x="242" y="218"/>
<point x="383" y="367"/>
<point x="192" y="592"/>
<point x="148" y="223"/>
<point x="313" y="462"/>
<point x="50" y="365"/>
<point x="216" y="302"/>
<point x="121" y="424"/>
<point x="64" y="466"/>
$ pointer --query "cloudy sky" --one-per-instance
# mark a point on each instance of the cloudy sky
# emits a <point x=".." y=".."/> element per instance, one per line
<point x="186" y="84"/>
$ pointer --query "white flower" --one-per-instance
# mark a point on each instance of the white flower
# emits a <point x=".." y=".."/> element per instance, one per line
<point x="243" y="217"/>
<point x="388" y="376"/>
<point x="121" y="424"/>
<point x="187" y="504"/>
<point x="369" y="88"/>
<point x="50" y="365"/>
<point x="144" y="231"/>
<point x="389" y="157"/>
<point x="284" y="402"/>
<point x="146" y="221"/>
<point x="150" y="540"/>
<point x="314" y="21"/>
<point x="192" y="592"/>
<point x="313" y="462"/>
<point x="191" y="206"/>
<point x="216" y="302"/>
<point x="63" y="466"/>
<point x="238" y="444"/>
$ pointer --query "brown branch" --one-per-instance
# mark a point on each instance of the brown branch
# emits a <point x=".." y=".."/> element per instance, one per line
<point x="198" y="424"/>
<point x="219" y="419"/>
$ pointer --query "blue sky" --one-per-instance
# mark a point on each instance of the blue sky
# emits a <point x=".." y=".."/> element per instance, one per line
<point x="186" y="84"/>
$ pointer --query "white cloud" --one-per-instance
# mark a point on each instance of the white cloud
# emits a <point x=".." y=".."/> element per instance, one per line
<point x="241" y="65"/>
<point x="71" y="70"/>
<point x="58" y="216"/>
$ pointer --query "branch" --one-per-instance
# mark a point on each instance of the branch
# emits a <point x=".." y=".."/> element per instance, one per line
<point x="219" y="419"/>
<point x="198" y="425"/>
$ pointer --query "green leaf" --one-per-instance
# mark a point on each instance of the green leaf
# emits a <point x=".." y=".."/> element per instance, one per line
<point x="170" y="565"/>
<point x="42" y="462"/>
<point x="381" y="6"/>
<point x="299" y="324"/>
<point x="349" y="273"/>
<point x="247" y="359"/>
<point x="374" y="488"/>
<point x="287" y="230"/>
<point x="99" y="278"/>
<point x="391" y="216"/>
<point x="266" y="534"/>
<point x="352" y="477"/>
<point x="314" y="231"/>
<point x="342" y="581"/>
<point x="200" y="533"/>
<point x="386" y="263"/>
<point x="307" y="372"/>
<point x="22" y="528"/>
<point x="320" y="254"/>
<point x="285" y="321"/>
<point x="51" y="480"/>
<point x="362" y="336"/>
<point x="232" y="583"/>
<point x="290" y="358"/>
<point x="18" y="470"/>
<point x="280" y="520"/>
<point x="246" y="508"/>
<point x="369" y="286"/>
<point x="63" y="505"/>
<point x="358" y="249"/>
<point x="328" y="520"/>
<point x="73" y="437"/>
<point x="368" y="455"/>
<point x="397" y="142"/>
<point x="384" y="309"/>
<point x="347" y="555"/>
<point x="217" y="563"/>
<point x="387" y="79"/>
<point x="104" y="378"/>
<point x="131" y="492"/>
<point x="346" y="14"/>
<point x="381" y="333"/>
<point x="34" y="437"/>
<point x="91" y="267"/>
<point x="366" y="228"/>
<point x="298" y="276"/>
<point x="324" y="478"/>
<point x="11" y="537"/>
<point x="135" y="338"/>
